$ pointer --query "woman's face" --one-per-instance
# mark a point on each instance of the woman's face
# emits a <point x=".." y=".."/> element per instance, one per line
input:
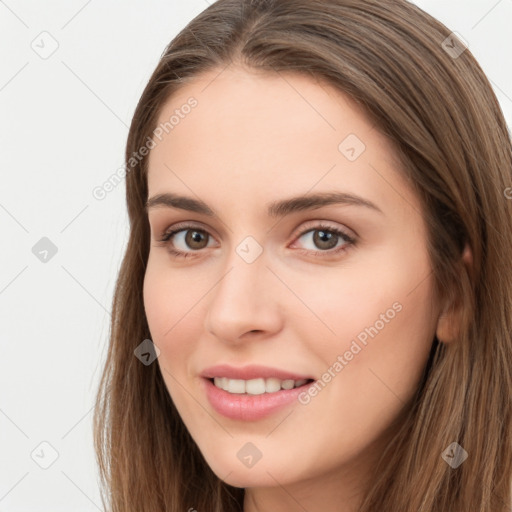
<point x="338" y="291"/>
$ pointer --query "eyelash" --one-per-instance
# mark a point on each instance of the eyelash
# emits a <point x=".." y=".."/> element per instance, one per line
<point x="166" y="236"/>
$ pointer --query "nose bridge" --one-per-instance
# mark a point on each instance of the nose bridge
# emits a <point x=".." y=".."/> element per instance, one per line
<point x="244" y="279"/>
<point x="240" y="300"/>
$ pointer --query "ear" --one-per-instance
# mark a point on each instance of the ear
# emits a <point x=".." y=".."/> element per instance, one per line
<point x="448" y="324"/>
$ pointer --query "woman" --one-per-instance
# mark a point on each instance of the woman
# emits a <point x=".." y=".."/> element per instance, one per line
<point x="314" y="311"/>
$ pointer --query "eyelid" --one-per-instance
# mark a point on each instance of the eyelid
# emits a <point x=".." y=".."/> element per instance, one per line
<point x="310" y="225"/>
<point x="299" y="231"/>
<point x="184" y="225"/>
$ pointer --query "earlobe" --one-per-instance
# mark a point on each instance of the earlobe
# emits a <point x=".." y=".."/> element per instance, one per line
<point x="447" y="326"/>
<point x="448" y="323"/>
<point x="467" y="258"/>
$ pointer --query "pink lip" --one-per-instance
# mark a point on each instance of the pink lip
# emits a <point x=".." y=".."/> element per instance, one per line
<point x="250" y="372"/>
<point x="250" y="407"/>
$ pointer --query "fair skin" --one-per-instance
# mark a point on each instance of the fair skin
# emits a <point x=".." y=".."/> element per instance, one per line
<point x="253" y="139"/>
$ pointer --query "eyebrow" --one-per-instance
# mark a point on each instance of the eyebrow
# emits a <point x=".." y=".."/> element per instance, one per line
<point x="274" y="209"/>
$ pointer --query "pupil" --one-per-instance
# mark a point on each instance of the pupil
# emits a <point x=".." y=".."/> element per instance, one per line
<point x="194" y="237"/>
<point x="325" y="237"/>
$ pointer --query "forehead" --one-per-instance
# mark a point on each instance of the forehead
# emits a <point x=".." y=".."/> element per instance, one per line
<point x="236" y="101"/>
<point x="268" y="132"/>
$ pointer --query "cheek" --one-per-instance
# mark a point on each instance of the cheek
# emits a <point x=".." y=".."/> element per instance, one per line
<point x="169" y="298"/>
<point x="173" y="325"/>
<point x="384" y="374"/>
<point x="171" y="310"/>
<point x="368" y="300"/>
<point x="381" y="321"/>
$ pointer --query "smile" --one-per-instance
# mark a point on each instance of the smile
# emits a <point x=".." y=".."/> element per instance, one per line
<point x="256" y="386"/>
<point x="248" y="401"/>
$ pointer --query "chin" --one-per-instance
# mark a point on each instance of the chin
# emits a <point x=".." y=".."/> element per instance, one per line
<point x="264" y="473"/>
<point x="245" y="478"/>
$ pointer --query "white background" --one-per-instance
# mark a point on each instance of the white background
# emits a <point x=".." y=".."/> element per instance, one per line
<point x="63" y="127"/>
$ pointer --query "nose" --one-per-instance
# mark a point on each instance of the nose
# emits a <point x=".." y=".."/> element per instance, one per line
<point x="244" y="302"/>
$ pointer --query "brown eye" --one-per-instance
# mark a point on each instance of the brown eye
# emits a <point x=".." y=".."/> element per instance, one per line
<point x="186" y="240"/>
<point x="195" y="239"/>
<point x="325" y="239"/>
<point x="189" y="241"/>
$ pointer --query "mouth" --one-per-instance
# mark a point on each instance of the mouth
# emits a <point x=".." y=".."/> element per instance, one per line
<point x="257" y="386"/>
<point x="253" y="399"/>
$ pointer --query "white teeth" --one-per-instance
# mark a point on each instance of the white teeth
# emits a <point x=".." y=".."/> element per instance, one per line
<point x="272" y="385"/>
<point x="287" y="384"/>
<point x="256" y="386"/>
<point x="236" y="386"/>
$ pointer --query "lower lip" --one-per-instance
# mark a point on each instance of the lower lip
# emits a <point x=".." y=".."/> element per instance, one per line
<point x="250" y="407"/>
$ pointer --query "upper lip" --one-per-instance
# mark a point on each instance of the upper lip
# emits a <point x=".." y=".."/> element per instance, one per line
<point x="249" y="372"/>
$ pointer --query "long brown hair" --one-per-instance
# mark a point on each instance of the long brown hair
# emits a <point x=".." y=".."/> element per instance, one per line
<point x="437" y="107"/>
